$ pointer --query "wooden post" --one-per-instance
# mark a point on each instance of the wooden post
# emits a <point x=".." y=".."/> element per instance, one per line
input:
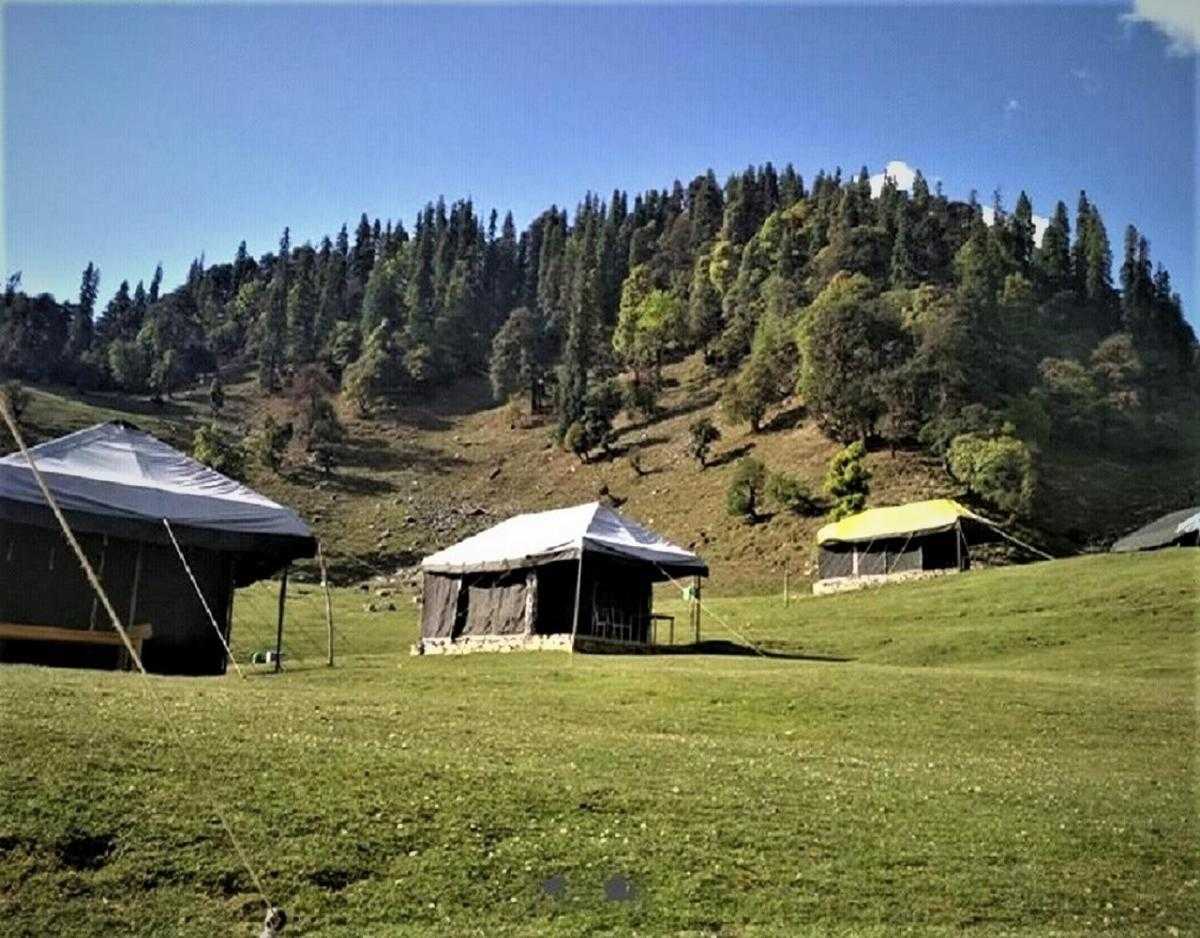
<point x="785" y="586"/>
<point x="100" y="573"/>
<point x="279" y="625"/>
<point x="229" y="610"/>
<point x="126" y="661"/>
<point x="328" y="601"/>
<point x="578" y="590"/>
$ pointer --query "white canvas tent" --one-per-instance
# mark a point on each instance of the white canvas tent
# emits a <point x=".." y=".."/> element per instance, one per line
<point x="579" y="573"/>
<point x="157" y="526"/>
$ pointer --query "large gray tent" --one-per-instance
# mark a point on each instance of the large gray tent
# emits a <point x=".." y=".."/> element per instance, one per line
<point x="576" y="574"/>
<point x="116" y="485"/>
<point x="1179" y="528"/>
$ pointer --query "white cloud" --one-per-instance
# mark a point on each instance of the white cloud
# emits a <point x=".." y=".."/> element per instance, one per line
<point x="1040" y="222"/>
<point x="1178" y="20"/>
<point x="902" y="174"/>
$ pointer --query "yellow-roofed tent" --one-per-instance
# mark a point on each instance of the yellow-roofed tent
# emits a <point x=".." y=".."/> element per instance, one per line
<point x="919" y="536"/>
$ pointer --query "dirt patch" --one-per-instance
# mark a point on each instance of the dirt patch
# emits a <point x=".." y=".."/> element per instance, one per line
<point x="335" y="879"/>
<point x="80" y="850"/>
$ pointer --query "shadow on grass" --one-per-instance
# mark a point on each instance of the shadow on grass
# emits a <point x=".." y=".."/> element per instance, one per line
<point x="720" y="646"/>
<point x="731" y="455"/>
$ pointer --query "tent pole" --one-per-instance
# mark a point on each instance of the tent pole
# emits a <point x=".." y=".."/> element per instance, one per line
<point x="958" y="543"/>
<point x="696" y="604"/>
<point x="578" y="590"/>
<point x="328" y="601"/>
<point x="279" y="624"/>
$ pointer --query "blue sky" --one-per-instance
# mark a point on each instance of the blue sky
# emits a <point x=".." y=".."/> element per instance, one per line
<point x="133" y="135"/>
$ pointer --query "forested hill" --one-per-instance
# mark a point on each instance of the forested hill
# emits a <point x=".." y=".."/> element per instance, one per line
<point x="901" y="320"/>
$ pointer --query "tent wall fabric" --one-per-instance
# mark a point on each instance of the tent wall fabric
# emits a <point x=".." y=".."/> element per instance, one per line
<point x="116" y="485"/>
<point x="522" y="580"/>
<point x="1177" y="528"/>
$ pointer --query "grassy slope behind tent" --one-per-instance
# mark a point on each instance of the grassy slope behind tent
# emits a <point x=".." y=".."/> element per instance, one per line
<point x="426" y="473"/>
<point x="1007" y="751"/>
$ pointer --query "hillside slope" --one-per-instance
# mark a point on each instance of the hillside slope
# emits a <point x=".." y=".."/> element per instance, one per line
<point x="424" y="473"/>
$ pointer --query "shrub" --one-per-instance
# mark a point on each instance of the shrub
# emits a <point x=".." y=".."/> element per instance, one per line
<point x="701" y="436"/>
<point x="640" y="397"/>
<point x="575" y="441"/>
<point x="269" y="442"/>
<point x="997" y="469"/>
<point x="15" y="395"/>
<point x="848" y="481"/>
<point x="211" y="447"/>
<point x="745" y="490"/>
<point x="788" y="493"/>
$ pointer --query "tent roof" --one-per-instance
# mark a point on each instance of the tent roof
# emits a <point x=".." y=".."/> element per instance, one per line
<point x="562" y="534"/>
<point x="121" y="479"/>
<point x="929" y="517"/>
<point x="1161" y="532"/>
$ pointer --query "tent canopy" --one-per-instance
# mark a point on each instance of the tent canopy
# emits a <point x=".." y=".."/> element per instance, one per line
<point x="1161" y="532"/>
<point x="928" y="517"/>
<point x="115" y="479"/>
<point x="562" y="534"/>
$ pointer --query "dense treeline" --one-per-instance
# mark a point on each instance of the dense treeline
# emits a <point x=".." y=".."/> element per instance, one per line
<point x="899" y="317"/>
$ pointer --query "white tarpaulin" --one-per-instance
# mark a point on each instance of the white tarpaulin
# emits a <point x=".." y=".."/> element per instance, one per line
<point x="116" y="471"/>
<point x="562" y="534"/>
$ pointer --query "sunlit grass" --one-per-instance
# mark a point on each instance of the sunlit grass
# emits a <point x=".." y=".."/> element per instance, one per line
<point x="1009" y="751"/>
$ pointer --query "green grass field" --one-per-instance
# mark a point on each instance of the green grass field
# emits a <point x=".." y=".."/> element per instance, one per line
<point x="1006" y="752"/>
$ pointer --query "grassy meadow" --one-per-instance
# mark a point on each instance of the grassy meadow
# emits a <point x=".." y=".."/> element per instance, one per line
<point x="1006" y="752"/>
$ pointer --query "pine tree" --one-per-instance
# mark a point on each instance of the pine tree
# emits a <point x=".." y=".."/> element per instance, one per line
<point x="302" y="304"/>
<point x="1054" y="258"/>
<point x="79" y="336"/>
<point x="903" y="265"/>
<point x="1020" y="233"/>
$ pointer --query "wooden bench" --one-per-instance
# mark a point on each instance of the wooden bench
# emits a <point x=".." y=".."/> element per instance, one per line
<point x="13" y="631"/>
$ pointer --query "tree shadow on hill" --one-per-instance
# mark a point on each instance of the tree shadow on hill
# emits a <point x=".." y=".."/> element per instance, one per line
<point x="720" y="646"/>
<point x="667" y="413"/>
<point x="377" y="454"/>
<point x="468" y="395"/>
<point x="786" y="419"/>
<point x="338" y="481"/>
<point x="142" y="406"/>
<point x="731" y="455"/>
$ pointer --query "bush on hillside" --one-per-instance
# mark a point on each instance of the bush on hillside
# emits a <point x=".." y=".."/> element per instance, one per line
<point x="848" y="481"/>
<point x="788" y="493"/>
<point x="217" y="451"/>
<point x="701" y="435"/>
<point x="997" y="469"/>
<point x="746" y="489"/>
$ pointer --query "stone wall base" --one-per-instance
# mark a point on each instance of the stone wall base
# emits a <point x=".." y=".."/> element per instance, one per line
<point x="845" y="584"/>
<point x="491" y="643"/>
<point x="506" y="643"/>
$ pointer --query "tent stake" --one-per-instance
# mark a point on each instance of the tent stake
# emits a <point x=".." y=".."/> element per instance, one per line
<point x="279" y="625"/>
<point x="328" y="601"/>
